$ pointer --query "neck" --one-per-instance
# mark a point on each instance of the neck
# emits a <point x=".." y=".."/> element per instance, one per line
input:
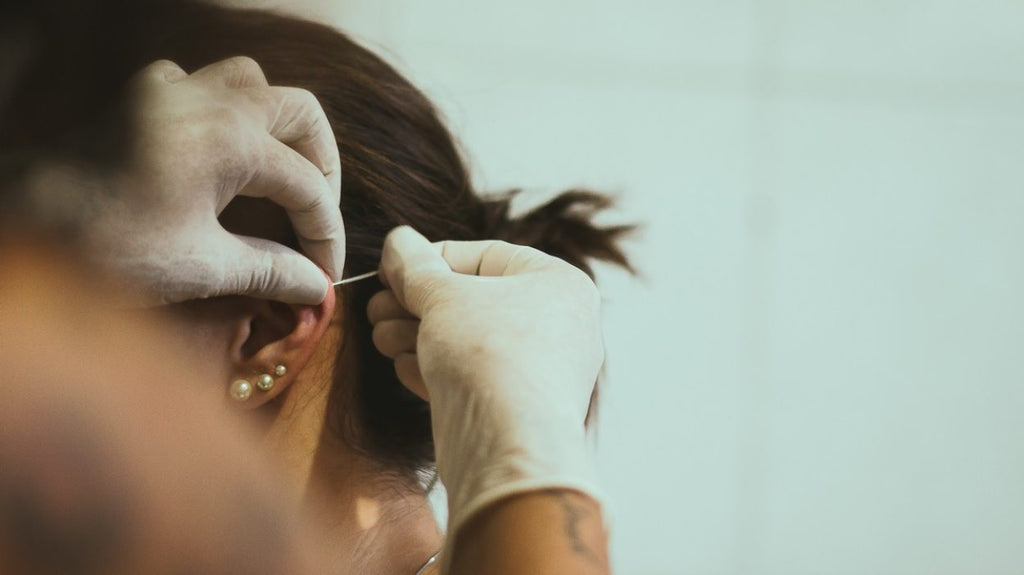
<point x="367" y="519"/>
<point x="372" y="522"/>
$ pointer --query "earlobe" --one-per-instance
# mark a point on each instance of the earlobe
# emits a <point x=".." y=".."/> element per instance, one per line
<point x="274" y="344"/>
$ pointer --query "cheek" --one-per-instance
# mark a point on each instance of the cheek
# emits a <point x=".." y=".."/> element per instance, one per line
<point x="204" y="338"/>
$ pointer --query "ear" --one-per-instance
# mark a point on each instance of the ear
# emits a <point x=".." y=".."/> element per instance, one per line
<point x="272" y="343"/>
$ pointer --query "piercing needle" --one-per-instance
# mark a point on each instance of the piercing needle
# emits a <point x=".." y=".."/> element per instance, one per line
<point x="354" y="279"/>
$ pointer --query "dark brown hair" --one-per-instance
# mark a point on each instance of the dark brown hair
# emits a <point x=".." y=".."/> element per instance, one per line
<point x="400" y="165"/>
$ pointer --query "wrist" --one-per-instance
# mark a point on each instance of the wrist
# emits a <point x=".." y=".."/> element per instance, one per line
<point x="65" y="198"/>
<point x="483" y="462"/>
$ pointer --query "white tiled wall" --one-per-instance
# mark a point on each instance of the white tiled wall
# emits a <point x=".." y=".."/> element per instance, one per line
<point x="821" y="370"/>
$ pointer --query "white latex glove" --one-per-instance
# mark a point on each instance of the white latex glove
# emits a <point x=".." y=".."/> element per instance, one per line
<point x="505" y="343"/>
<point x="200" y="140"/>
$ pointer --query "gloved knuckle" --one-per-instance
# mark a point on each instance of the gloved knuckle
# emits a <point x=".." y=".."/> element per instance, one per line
<point x="157" y="70"/>
<point x="314" y="205"/>
<point x="332" y="227"/>
<point x="305" y="98"/>
<point x="576" y="280"/>
<point x="261" y="276"/>
<point x="305" y="111"/>
<point x="589" y="289"/>
<point x="238" y="67"/>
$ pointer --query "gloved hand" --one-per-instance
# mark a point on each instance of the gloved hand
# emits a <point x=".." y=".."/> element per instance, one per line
<point x="505" y="343"/>
<point x="200" y="140"/>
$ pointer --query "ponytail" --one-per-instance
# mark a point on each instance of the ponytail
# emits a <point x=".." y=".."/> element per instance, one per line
<point x="563" y="227"/>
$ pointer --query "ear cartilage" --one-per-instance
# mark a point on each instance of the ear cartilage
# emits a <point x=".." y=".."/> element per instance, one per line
<point x="354" y="279"/>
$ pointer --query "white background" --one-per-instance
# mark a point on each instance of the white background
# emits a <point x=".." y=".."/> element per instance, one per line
<point x="820" y="370"/>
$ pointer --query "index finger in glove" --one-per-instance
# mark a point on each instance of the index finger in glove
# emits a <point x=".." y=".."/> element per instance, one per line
<point x="265" y="269"/>
<point x="289" y="180"/>
<point x="294" y="116"/>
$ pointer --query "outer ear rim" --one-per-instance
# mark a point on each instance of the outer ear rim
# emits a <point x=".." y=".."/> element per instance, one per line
<point x="293" y="351"/>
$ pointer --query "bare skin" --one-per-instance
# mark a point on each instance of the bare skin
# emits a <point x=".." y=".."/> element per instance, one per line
<point x="371" y="523"/>
<point x="99" y="472"/>
<point x="542" y="532"/>
<point x="130" y="465"/>
<point x="112" y="458"/>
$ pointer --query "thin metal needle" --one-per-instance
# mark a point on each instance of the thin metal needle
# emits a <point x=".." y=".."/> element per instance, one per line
<point x="354" y="279"/>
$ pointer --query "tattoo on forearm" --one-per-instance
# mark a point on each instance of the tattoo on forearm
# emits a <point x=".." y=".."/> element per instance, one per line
<point x="575" y="514"/>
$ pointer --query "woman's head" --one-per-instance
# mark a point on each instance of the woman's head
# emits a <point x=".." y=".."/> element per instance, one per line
<point x="400" y="165"/>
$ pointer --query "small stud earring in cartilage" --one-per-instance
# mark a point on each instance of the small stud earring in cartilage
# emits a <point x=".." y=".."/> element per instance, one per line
<point x="265" y="382"/>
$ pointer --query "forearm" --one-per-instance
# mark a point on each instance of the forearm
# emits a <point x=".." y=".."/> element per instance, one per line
<point x="540" y="532"/>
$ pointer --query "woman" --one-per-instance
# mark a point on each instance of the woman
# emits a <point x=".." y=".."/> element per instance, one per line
<point x="355" y="443"/>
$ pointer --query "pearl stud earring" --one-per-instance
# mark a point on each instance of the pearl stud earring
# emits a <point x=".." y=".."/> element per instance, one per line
<point x="241" y="390"/>
<point x="265" y="382"/>
<point x="280" y="370"/>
